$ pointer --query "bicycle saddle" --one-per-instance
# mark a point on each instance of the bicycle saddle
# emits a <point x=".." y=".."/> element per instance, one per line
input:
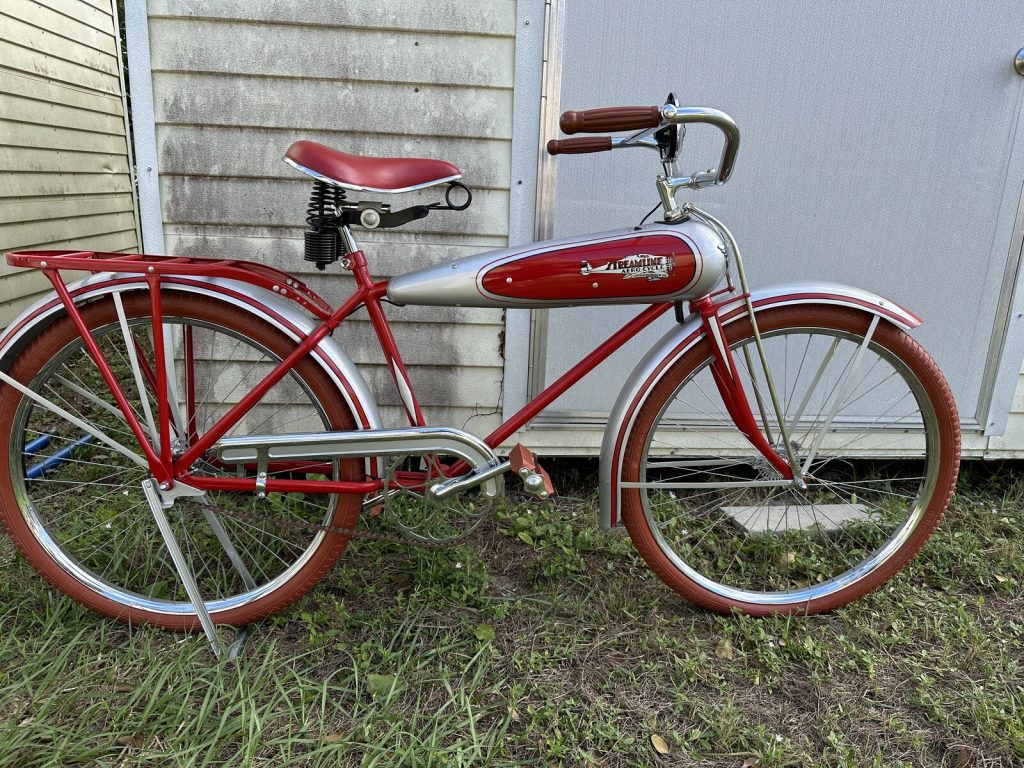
<point x="368" y="174"/>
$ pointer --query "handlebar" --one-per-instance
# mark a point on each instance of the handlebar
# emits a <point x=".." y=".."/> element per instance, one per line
<point x="681" y="115"/>
<point x="645" y="120"/>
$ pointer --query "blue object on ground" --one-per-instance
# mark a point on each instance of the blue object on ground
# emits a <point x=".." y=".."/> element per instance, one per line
<point x="37" y="470"/>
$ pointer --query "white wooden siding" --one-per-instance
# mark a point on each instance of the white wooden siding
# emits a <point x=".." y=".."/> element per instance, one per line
<point x="64" y="159"/>
<point x="236" y="82"/>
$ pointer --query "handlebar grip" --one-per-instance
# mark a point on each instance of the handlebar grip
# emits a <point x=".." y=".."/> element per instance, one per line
<point x="610" y="119"/>
<point x="579" y="146"/>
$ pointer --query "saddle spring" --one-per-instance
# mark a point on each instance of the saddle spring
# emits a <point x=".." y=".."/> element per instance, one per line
<point x="323" y="243"/>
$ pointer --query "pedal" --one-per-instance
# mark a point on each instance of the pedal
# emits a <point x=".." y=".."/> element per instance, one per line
<point x="535" y="479"/>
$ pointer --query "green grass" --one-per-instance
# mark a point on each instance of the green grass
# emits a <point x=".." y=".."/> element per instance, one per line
<point x="542" y="641"/>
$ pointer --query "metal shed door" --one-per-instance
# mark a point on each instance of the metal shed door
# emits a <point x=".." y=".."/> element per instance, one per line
<point x="879" y="149"/>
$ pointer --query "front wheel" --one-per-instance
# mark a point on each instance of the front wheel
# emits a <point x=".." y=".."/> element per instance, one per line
<point x="870" y="418"/>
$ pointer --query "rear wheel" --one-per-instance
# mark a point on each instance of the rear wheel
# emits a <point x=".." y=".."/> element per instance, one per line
<point x="76" y="508"/>
<point x="873" y="422"/>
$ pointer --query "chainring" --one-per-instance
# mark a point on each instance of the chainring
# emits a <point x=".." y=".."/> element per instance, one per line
<point x="421" y="518"/>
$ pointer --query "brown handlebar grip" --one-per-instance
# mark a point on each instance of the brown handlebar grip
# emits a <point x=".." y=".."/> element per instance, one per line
<point x="579" y="146"/>
<point x="610" y="119"/>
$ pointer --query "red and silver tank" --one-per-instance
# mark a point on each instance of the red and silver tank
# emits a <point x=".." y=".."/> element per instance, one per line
<point x="626" y="266"/>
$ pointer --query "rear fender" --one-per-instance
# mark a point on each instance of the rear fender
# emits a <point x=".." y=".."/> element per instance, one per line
<point x="283" y="314"/>
<point x="681" y="338"/>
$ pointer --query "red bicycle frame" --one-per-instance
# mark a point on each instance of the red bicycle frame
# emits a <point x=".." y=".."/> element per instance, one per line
<point x="167" y="469"/>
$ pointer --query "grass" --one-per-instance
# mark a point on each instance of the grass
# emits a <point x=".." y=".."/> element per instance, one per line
<point x="542" y="641"/>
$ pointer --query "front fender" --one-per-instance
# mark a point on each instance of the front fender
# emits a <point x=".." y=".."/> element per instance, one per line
<point x="281" y="313"/>
<point x="678" y="341"/>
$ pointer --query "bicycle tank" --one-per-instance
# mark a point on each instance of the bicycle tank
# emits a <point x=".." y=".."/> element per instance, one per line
<point x="656" y="263"/>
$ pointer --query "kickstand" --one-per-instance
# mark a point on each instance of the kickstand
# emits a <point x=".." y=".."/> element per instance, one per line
<point x="231" y="652"/>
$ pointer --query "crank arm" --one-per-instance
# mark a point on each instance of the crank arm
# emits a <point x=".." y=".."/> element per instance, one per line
<point x="469" y="480"/>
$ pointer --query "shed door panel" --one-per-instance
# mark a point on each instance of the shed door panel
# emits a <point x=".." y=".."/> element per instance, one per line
<point x="878" y="150"/>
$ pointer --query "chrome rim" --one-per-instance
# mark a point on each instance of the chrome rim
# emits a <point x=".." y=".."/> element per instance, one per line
<point x="88" y="511"/>
<point x="710" y="500"/>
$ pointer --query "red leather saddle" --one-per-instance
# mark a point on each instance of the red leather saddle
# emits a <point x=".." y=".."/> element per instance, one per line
<point x="368" y="174"/>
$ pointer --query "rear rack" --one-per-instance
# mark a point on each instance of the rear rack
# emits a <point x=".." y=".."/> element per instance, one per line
<point x="176" y="266"/>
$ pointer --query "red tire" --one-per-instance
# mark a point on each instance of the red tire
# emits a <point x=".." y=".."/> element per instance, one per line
<point x="33" y="526"/>
<point x="708" y="548"/>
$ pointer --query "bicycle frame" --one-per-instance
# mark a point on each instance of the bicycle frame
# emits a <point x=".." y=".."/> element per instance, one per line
<point x="166" y="469"/>
<point x="712" y="312"/>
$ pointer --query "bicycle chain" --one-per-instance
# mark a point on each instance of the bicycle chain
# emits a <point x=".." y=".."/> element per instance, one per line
<point x="351" y="533"/>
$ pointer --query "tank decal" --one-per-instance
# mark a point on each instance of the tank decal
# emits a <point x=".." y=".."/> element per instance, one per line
<point x="635" y="266"/>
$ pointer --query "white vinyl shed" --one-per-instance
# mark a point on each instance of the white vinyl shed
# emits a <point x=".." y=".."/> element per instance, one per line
<point x="880" y="149"/>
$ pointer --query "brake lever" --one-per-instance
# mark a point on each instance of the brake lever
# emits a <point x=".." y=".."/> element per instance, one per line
<point x="631" y="142"/>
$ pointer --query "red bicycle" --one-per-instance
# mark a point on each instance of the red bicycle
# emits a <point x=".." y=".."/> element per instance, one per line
<point x="189" y="445"/>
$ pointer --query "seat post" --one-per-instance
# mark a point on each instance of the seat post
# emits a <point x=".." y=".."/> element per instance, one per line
<point x="349" y="241"/>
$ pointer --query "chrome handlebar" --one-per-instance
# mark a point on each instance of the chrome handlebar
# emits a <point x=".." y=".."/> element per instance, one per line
<point x="683" y="115"/>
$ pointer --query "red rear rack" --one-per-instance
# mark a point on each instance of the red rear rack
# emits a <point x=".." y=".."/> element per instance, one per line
<point x="144" y="264"/>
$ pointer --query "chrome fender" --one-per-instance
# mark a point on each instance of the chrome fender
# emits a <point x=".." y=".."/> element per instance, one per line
<point x="680" y="339"/>
<point x="283" y="314"/>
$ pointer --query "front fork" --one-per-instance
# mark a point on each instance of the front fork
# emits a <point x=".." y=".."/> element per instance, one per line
<point x="730" y="387"/>
<point x="724" y="368"/>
